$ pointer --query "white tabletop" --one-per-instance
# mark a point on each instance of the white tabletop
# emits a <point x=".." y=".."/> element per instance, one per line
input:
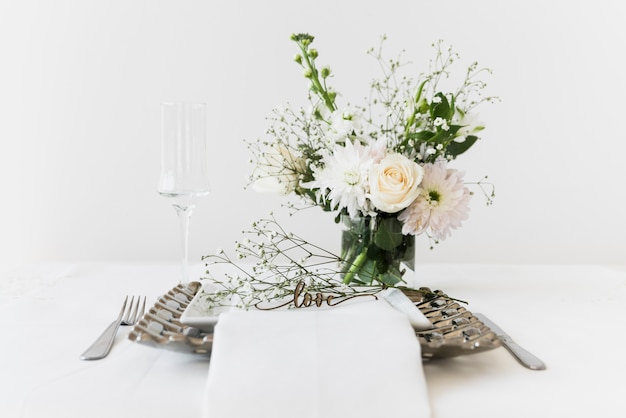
<point x="569" y="316"/>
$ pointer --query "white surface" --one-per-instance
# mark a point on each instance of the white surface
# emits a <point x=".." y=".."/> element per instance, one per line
<point x="82" y="82"/>
<point x="329" y="363"/>
<point x="569" y="316"/>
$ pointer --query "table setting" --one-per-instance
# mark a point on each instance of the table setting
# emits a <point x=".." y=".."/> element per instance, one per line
<point x="282" y="327"/>
<point x="55" y="318"/>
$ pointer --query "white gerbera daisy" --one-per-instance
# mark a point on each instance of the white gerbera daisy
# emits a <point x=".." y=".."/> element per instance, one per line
<point x="344" y="175"/>
<point x="442" y="205"/>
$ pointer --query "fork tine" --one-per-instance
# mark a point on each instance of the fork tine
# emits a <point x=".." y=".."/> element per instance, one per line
<point x="129" y="311"/>
<point x="121" y="315"/>
<point x="139" y="312"/>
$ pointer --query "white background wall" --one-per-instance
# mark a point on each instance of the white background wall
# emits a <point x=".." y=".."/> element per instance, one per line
<point x="81" y="83"/>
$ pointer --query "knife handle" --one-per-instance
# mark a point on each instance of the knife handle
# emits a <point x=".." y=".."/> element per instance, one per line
<point x="524" y="357"/>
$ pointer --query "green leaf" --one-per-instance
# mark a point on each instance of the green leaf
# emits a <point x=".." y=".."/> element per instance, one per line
<point x="440" y="137"/>
<point x="418" y="95"/>
<point x="391" y="277"/>
<point x="453" y="130"/>
<point x="421" y="136"/>
<point x="368" y="272"/>
<point x="388" y="234"/>
<point x="457" y="148"/>
<point x="442" y="109"/>
<point x="452" y="108"/>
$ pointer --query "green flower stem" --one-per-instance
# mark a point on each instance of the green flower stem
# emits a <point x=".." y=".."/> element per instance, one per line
<point x="314" y="77"/>
<point x="355" y="266"/>
<point x="317" y="84"/>
<point x="411" y="119"/>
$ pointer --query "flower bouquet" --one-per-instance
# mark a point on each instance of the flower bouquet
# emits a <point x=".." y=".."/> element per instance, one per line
<point x="384" y="166"/>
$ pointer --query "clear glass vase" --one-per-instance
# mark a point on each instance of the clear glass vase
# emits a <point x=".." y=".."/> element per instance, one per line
<point x="374" y="251"/>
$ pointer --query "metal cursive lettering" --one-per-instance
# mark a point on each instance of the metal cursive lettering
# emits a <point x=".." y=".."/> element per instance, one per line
<point x="303" y="299"/>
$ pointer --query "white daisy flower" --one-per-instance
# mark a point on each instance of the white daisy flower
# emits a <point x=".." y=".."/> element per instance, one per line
<point x="345" y="177"/>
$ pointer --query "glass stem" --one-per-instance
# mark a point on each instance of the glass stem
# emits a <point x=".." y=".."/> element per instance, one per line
<point x="184" y="213"/>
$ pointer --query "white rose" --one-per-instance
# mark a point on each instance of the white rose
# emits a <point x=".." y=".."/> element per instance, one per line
<point x="394" y="183"/>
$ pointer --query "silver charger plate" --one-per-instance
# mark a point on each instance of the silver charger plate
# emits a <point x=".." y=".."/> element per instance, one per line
<point x="456" y="331"/>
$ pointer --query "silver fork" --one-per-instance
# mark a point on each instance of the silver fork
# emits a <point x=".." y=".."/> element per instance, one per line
<point x="101" y="347"/>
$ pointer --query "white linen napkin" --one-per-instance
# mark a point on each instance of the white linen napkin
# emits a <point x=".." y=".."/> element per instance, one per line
<point x="361" y="360"/>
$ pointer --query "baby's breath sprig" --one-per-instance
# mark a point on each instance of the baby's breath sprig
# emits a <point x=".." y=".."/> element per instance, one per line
<point x="282" y="262"/>
<point x="487" y="189"/>
<point x="421" y="119"/>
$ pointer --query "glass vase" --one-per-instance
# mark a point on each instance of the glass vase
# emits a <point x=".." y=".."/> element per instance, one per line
<point x="374" y="251"/>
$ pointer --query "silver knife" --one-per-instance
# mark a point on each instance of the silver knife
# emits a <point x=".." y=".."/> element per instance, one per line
<point x="525" y="358"/>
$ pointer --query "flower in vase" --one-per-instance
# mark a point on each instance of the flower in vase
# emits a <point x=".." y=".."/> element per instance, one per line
<point x="278" y="170"/>
<point x="344" y="176"/>
<point x="381" y="163"/>
<point x="469" y="122"/>
<point x="394" y="183"/>
<point x="442" y="205"/>
<point x="344" y="123"/>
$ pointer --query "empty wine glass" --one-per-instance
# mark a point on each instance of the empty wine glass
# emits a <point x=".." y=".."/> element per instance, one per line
<point x="184" y="164"/>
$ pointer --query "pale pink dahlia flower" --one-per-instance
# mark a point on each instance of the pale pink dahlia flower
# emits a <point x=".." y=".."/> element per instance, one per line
<point x="442" y="205"/>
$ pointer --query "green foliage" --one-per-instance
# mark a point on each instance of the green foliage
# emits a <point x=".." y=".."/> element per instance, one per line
<point x="388" y="234"/>
<point x="373" y="250"/>
<point x="458" y="148"/>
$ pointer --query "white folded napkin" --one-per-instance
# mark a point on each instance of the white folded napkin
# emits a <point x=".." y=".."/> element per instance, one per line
<point x="402" y="303"/>
<point x="361" y="360"/>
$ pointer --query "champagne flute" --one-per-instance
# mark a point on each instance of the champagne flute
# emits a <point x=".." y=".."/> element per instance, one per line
<point x="184" y="164"/>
